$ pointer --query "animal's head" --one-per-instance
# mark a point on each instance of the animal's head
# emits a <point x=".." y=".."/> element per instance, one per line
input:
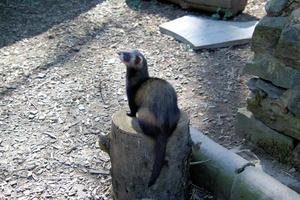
<point x="133" y="59"/>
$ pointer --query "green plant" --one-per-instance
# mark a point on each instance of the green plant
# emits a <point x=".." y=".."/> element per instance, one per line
<point x="228" y="14"/>
<point x="222" y="14"/>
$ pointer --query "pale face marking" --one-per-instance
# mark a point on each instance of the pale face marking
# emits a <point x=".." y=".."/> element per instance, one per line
<point x="131" y="59"/>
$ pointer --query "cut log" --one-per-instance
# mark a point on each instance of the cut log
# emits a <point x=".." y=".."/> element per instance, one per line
<point x="132" y="157"/>
<point x="233" y="6"/>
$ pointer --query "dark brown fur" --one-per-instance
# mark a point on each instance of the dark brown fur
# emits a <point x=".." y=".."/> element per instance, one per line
<point x="154" y="101"/>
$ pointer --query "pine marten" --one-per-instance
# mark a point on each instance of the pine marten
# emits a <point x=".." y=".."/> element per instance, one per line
<point x="154" y="102"/>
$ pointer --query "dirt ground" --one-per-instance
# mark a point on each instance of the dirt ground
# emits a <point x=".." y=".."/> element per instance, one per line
<point x="61" y="80"/>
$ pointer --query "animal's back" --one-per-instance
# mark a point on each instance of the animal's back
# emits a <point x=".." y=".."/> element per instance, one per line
<point x="157" y="100"/>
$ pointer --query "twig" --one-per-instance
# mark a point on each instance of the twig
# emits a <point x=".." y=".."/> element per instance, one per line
<point x="196" y="186"/>
<point x="241" y="169"/>
<point x="101" y="95"/>
<point x="250" y="153"/>
<point x="74" y="124"/>
<point x="33" y="105"/>
<point x="288" y="173"/>
<point x="50" y="135"/>
<point x="199" y="162"/>
<point x="71" y="149"/>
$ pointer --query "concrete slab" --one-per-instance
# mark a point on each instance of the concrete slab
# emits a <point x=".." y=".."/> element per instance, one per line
<point x="200" y="32"/>
<point x="253" y="183"/>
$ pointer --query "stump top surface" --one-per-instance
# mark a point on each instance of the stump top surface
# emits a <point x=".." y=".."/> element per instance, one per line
<point x="130" y="124"/>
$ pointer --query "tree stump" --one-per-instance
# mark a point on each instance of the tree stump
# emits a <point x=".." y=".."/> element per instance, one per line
<point x="132" y="157"/>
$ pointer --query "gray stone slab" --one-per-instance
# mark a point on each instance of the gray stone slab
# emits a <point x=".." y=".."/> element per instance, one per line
<point x="257" y="84"/>
<point x="270" y="113"/>
<point x="269" y="68"/>
<point x="288" y="48"/>
<point x="279" y="145"/>
<point x="200" y="32"/>
<point x="276" y="7"/>
<point x="292" y="98"/>
<point x="267" y="33"/>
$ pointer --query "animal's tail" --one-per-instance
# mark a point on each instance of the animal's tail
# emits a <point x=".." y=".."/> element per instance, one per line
<point x="160" y="151"/>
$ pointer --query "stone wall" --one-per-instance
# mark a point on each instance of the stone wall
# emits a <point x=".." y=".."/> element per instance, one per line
<point x="272" y="117"/>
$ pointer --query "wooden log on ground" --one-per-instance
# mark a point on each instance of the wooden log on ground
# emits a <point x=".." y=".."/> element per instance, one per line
<point x="233" y="6"/>
<point x="132" y="157"/>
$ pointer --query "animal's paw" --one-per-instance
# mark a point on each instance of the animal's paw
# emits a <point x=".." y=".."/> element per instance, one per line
<point x="166" y="163"/>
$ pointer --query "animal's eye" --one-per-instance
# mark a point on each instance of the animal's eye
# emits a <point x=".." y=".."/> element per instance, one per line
<point x="126" y="57"/>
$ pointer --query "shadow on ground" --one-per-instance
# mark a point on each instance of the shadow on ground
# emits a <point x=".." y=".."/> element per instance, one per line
<point x="27" y="18"/>
<point x="219" y="77"/>
<point x="218" y="73"/>
<point x="46" y="14"/>
<point x="58" y="60"/>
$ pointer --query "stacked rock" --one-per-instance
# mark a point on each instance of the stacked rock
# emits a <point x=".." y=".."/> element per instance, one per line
<point x="272" y="117"/>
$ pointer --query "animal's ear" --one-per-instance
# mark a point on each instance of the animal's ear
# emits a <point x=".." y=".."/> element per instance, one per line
<point x="138" y="60"/>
